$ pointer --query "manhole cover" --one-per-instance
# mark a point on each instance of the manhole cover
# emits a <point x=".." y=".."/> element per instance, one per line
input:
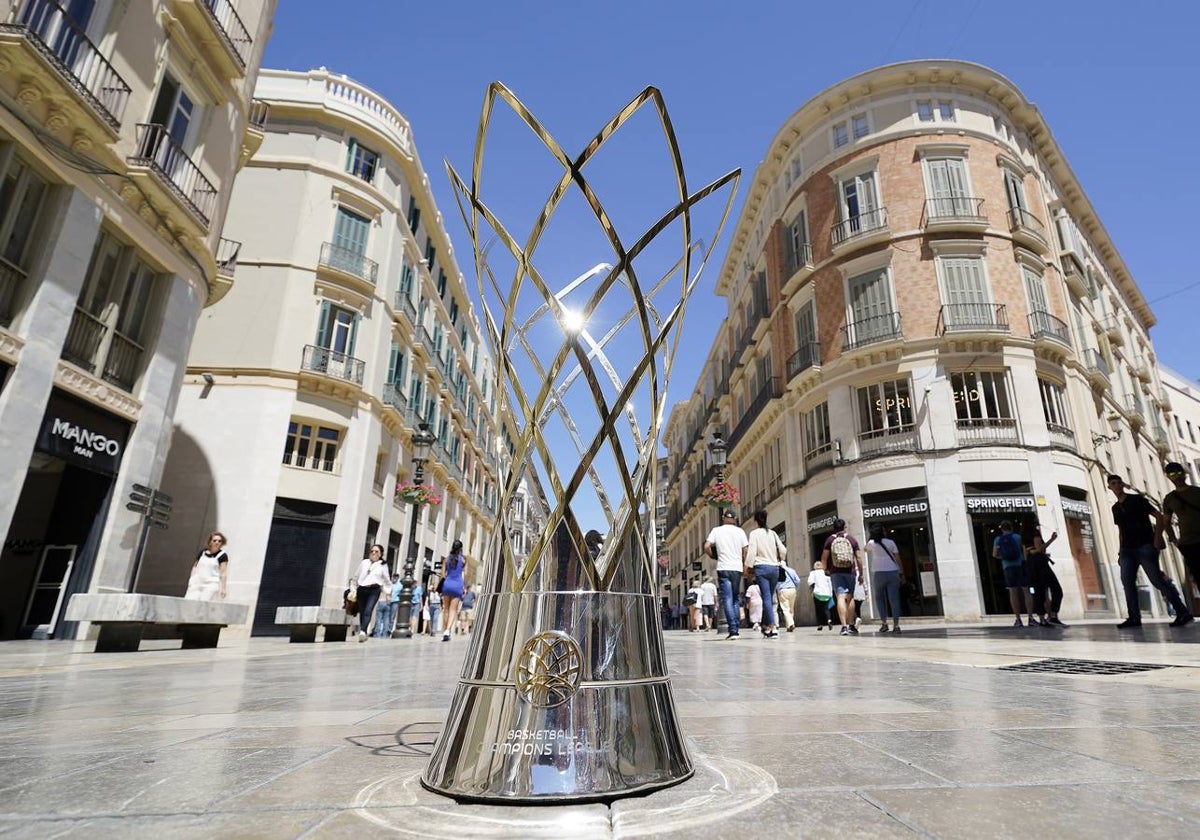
<point x="1081" y="666"/>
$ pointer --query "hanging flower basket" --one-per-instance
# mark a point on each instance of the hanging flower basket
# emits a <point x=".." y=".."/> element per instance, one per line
<point x="721" y="494"/>
<point x="418" y="494"/>
<point x="664" y="560"/>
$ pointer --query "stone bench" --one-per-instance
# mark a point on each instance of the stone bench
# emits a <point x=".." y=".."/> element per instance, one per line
<point x="122" y="617"/>
<point x="304" y="621"/>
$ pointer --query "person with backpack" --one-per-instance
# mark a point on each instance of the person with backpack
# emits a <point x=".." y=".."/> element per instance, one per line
<point x="1141" y="527"/>
<point x="840" y="559"/>
<point x="1008" y="550"/>
<point x="1183" y="503"/>
<point x="785" y="593"/>
<point x="693" y="604"/>
<point x="887" y="575"/>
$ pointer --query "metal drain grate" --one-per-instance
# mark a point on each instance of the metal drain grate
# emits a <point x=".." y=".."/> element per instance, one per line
<point x="1081" y="666"/>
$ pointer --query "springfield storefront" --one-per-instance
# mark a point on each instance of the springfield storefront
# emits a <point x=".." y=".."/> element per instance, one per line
<point x="906" y="521"/>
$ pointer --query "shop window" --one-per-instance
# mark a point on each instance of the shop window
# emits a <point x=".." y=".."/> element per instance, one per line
<point x="982" y="405"/>
<point x="885" y="415"/>
<point x="818" y="444"/>
<point x="311" y="446"/>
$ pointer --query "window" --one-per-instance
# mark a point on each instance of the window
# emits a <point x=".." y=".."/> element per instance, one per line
<point x="793" y="172"/>
<point x="925" y="111"/>
<point x="935" y="110"/>
<point x="361" y="162"/>
<point x="885" y="409"/>
<point x="406" y="279"/>
<point x="840" y="135"/>
<point x="981" y="397"/>
<point x="947" y="188"/>
<point x="861" y="126"/>
<point x="799" y="254"/>
<point x="454" y="314"/>
<point x="175" y="111"/>
<point x="1054" y="406"/>
<point x="871" y="316"/>
<point x="337" y="328"/>
<point x="380" y="474"/>
<point x="414" y="214"/>
<point x="817" y="440"/>
<point x="430" y="253"/>
<point x="1035" y="290"/>
<point x="441" y="284"/>
<point x="1014" y="189"/>
<point x="309" y="446"/>
<point x="1191" y="431"/>
<point x="21" y="194"/>
<point x="859" y="204"/>
<point x="965" y="294"/>
<point x="395" y="375"/>
<point x="350" y="232"/>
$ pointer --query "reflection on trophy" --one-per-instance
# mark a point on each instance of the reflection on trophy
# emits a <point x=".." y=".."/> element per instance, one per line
<point x="564" y="695"/>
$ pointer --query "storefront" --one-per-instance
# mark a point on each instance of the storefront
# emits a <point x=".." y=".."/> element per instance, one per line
<point x="50" y="551"/>
<point x="820" y="526"/>
<point x="1077" y="522"/>
<point x="905" y="517"/>
<point x="987" y="511"/>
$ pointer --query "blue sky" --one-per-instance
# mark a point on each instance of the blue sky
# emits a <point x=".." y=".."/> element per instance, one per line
<point x="1118" y="84"/>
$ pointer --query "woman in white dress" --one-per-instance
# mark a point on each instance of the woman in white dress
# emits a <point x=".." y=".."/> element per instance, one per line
<point x="210" y="571"/>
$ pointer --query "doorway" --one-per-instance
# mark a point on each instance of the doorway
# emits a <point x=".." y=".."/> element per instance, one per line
<point x="293" y="572"/>
<point x="921" y="592"/>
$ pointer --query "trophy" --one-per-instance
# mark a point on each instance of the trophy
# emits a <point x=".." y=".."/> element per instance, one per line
<point x="564" y="696"/>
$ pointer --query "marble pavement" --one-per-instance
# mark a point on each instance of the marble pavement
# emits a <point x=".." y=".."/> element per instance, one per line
<point x="810" y="735"/>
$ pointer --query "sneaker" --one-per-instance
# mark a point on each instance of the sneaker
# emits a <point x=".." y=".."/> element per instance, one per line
<point x="853" y="630"/>
<point x="883" y="628"/>
<point x="1018" y="623"/>
<point x="896" y="629"/>
<point x="731" y="636"/>
<point x="845" y="630"/>
<point x="445" y="637"/>
<point x="771" y="635"/>
<point x="362" y="637"/>
<point x="1056" y="621"/>
<point x="792" y="629"/>
<point x="1186" y="618"/>
<point x="820" y="627"/>
<point x="1129" y="623"/>
<point x="858" y="621"/>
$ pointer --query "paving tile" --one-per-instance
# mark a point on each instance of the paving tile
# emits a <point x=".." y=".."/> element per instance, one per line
<point x="263" y="825"/>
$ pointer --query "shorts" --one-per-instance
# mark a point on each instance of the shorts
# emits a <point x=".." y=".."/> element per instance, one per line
<point x="1014" y="576"/>
<point x="710" y="610"/>
<point x="843" y="582"/>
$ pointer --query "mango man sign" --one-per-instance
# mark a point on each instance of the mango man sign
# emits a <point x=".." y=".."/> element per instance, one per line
<point x="82" y="435"/>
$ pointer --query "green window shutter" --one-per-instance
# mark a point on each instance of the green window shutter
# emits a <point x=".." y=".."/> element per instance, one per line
<point x="350" y="231"/>
<point x="350" y="149"/>
<point x="323" y="325"/>
<point x="353" y="336"/>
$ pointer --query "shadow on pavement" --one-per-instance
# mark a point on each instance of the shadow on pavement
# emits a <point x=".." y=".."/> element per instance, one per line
<point x="1156" y="632"/>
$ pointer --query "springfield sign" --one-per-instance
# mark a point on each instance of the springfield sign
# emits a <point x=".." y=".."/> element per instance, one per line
<point x="82" y="436"/>
<point x="1018" y="502"/>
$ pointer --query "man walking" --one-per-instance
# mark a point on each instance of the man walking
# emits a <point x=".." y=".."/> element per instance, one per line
<point x="731" y="543"/>
<point x="1008" y="550"/>
<point x="1183" y="503"/>
<point x="1141" y="525"/>
<point x="840" y="559"/>
<point x="708" y="603"/>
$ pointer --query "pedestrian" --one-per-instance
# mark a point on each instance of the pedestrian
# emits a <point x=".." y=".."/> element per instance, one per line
<point x="1183" y="503"/>
<point x="693" y="604"/>
<point x="840" y="558"/>
<point x="785" y="593"/>
<point x="433" y="605"/>
<point x="466" y="616"/>
<point x="370" y="579"/>
<point x="763" y="559"/>
<point x="887" y="575"/>
<point x="708" y="604"/>
<point x="860" y="597"/>
<point x="731" y="546"/>
<point x="452" y="588"/>
<point x="416" y="607"/>
<point x="1141" y="526"/>
<point x="1008" y="550"/>
<point x="1047" y="592"/>
<point x="385" y="609"/>
<point x="754" y="604"/>
<point x="209" y="578"/>
<point x="822" y="594"/>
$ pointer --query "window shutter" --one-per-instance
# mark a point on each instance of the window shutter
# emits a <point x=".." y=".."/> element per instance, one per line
<point x="323" y="325"/>
<point x="353" y="335"/>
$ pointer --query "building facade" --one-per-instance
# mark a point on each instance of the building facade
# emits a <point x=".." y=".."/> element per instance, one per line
<point x="122" y="126"/>
<point x="350" y="325"/>
<point x="929" y="327"/>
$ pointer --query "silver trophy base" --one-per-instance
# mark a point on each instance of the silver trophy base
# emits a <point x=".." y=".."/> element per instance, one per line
<point x="609" y="733"/>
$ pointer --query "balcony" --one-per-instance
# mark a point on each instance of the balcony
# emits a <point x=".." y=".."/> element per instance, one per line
<point x="392" y="398"/>
<point x="1062" y="437"/>
<point x="819" y="458"/>
<point x="1134" y="410"/>
<point x="859" y="231"/>
<point x="218" y="34"/>
<point x="973" y="318"/>
<point x="799" y="266"/>
<point x="807" y="357"/>
<point x="1043" y="325"/>
<point x="1028" y="230"/>
<point x="986" y="430"/>
<point x="348" y="263"/>
<point x="1074" y="276"/>
<point x="956" y="212"/>
<point x="403" y="303"/>
<point x="1111" y="327"/>
<point x="57" y="66"/>
<point x="901" y="438"/>
<point x="874" y="330"/>
<point x="1162" y="441"/>
<point x="101" y="350"/>
<point x="332" y="364"/>
<point x="256" y="130"/>
<point x="1097" y="369"/>
<point x="165" y="169"/>
<point x="11" y="279"/>
<point x="769" y="391"/>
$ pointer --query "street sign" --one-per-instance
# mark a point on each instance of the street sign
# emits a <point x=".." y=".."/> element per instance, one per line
<point x="135" y="507"/>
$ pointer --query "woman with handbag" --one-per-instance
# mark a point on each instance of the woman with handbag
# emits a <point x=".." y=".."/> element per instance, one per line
<point x="887" y="576"/>
<point x="370" y="579"/>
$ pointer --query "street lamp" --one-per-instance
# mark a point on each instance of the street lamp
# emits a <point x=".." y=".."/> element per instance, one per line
<point x="422" y="440"/>
<point x="1115" y="422"/>
<point x="719" y="450"/>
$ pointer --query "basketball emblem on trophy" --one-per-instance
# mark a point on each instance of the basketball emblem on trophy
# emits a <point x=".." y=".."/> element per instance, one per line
<point x="548" y="668"/>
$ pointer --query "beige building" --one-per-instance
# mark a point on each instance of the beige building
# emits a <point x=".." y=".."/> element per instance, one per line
<point x="928" y="326"/>
<point x="1184" y="412"/>
<point x="122" y="126"/>
<point x="350" y="324"/>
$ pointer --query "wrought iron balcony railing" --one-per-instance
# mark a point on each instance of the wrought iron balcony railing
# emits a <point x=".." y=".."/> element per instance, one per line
<point x="56" y="35"/>
<point x="1045" y="325"/>
<point x="954" y="207"/>
<point x="769" y="391"/>
<point x="227" y="256"/>
<point x="871" y="330"/>
<point x="809" y="355"/>
<point x="986" y="430"/>
<point x="102" y="350"/>
<point x="229" y="24"/>
<point x="332" y="363"/>
<point x="349" y="261"/>
<point x="1021" y="219"/>
<point x="973" y="317"/>
<point x="259" y="111"/>
<point x="158" y="150"/>
<point x="858" y="225"/>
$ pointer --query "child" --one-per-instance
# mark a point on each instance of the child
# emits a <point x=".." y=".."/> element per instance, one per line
<point x="822" y="591"/>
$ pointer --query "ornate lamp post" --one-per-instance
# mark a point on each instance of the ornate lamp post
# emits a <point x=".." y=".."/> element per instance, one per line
<point x="719" y="450"/>
<point x="422" y="440"/>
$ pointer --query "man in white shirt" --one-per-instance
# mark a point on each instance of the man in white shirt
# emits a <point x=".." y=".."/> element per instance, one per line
<point x="708" y="603"/>
<point x="731" y="544"/>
